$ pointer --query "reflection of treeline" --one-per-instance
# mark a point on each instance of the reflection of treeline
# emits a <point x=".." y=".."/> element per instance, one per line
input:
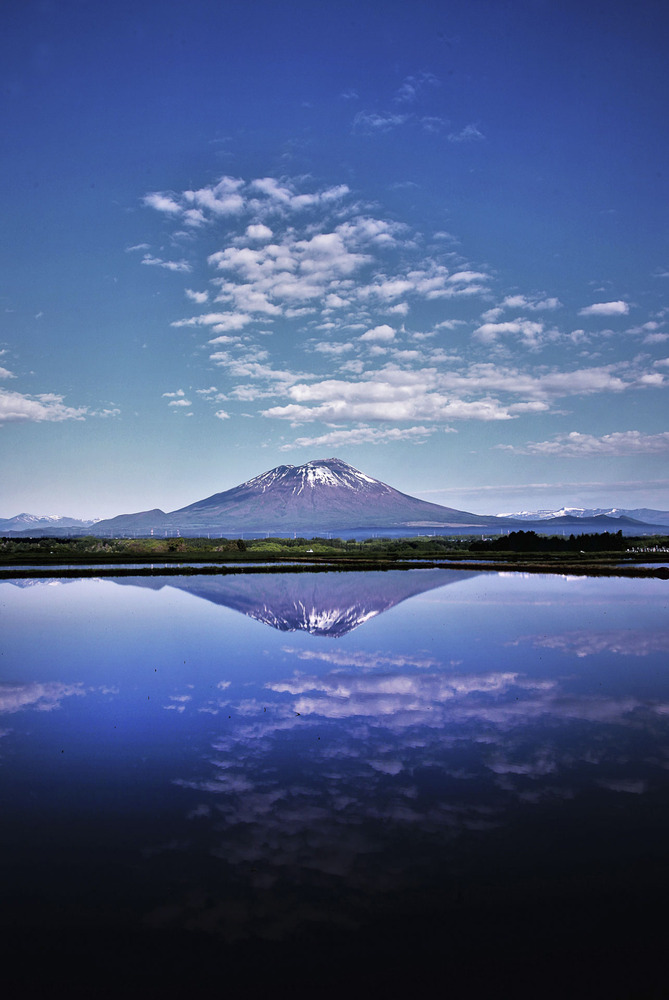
<point x="529" y="541"/>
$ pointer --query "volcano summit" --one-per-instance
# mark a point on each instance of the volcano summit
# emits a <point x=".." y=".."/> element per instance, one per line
<point x="325" y="495"/>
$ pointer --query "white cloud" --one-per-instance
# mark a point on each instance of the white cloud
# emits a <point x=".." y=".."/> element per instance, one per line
<point x="414" y="86"/>
<point x="162" y="203"/>
<point x="5" y="373"/>
<point x="617" y="444"/>
<point x="370" y="123"/>
<point x="470" y="133"/>
<point x="259" y="232"/>
<point x="16" y="407"/>
<point x="432" y="123"/>
<point x="362" y="435"/>
<point x="220" y="322"/>
<point x="43" y="697"/>
<point x="383" y="333"/>
<point x="404" y="398"/>
<point x="174" y="395"/>
<point x="180" y="402"/>
<point x="528" y="330"/>
<point x="618" y="308"/>
<point x="199" y="297"/>
<point x="222" y="415"/>
<point x="330" y="348"/>
<point x="169" y="265"/>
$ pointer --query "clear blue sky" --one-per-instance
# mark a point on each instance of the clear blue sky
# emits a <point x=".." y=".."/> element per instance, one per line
<point x="429" y="239"/>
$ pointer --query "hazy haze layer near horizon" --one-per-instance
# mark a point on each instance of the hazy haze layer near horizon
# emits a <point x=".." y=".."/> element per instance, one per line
<point x="428" y="239"/>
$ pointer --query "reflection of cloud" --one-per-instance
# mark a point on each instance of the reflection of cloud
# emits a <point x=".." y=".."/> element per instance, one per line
<point x="624" y="642"/>
<point x="631" y="786"/>
<point x="338" y="695"/>
<point x="42" y="697"/>
<point x="321" y="799"/>
<point x="365" y="661"/>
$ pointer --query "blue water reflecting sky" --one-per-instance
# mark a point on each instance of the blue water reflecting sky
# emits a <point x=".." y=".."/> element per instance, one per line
<point x="244" y="757"/>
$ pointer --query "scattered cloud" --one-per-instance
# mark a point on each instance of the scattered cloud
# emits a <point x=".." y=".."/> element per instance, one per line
<point x="312" y="267"/>
<point x="199" y="297"/>
<point x="169" y="265"/>
<point x="470" y="133"/>
<point x="528" y="330"/>
<point x="361" y="435"/>
<point x="617" y="444"/>
<point x="414" y="86"/>
<point x="42" y="697"/>
<point x="372" y="123"/>
<point x="617" y="308"/>
<point x="383" y="333"/>
<point x="17" y="407"/>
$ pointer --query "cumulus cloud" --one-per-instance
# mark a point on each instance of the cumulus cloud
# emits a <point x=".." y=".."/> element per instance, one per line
<point x="327" y="347"/>
<point x="45" y="407"/>
<point x="529" y="331"/>
<point x="383" y="333"/>
<point x="199" y="297"/>
<point x="394" y="393"/>
<point x="319" y="271"/>
<point x="220" y="321"/>
<point x="618" y="308"/>
<point x="259" y="232"/>
<point x="162" y="203"/>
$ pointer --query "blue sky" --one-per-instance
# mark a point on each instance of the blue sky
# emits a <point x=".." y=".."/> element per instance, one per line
<point x="429" y="239"/>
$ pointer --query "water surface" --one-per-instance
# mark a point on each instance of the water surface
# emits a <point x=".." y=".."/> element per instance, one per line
<point x="291" y="773"/>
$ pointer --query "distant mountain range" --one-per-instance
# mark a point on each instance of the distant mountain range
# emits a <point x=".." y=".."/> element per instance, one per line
<point x="324" y="496"/>
<point x="42" y="523"/>
<point x="643" y="514"/>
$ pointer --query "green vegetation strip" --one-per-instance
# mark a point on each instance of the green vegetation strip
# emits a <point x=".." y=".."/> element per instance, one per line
<point x="600" y="554"/>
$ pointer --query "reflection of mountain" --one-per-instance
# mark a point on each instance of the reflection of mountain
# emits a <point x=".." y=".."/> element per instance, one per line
<point x="329" y="604"/>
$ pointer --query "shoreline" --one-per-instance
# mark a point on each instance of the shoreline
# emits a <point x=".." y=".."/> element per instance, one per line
<point x="50" y="571"/>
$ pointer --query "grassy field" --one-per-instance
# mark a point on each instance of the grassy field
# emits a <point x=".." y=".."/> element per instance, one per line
<point x="600" y="554"/>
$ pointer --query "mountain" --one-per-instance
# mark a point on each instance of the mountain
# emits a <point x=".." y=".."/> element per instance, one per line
<point x="22" y="522"/>
<point x="323" y="604"/>
<point x="645" y="515"/>
<point x="325" y="495"/>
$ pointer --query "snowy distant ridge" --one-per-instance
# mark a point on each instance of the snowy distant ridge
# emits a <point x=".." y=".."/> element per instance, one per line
<point x="645" y="514"/>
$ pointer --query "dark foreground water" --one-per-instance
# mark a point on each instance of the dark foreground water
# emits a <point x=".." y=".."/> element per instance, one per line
<point x="434" y="782"/>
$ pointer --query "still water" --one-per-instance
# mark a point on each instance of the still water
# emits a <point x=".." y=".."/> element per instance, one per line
<point x="317" y="782"/>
